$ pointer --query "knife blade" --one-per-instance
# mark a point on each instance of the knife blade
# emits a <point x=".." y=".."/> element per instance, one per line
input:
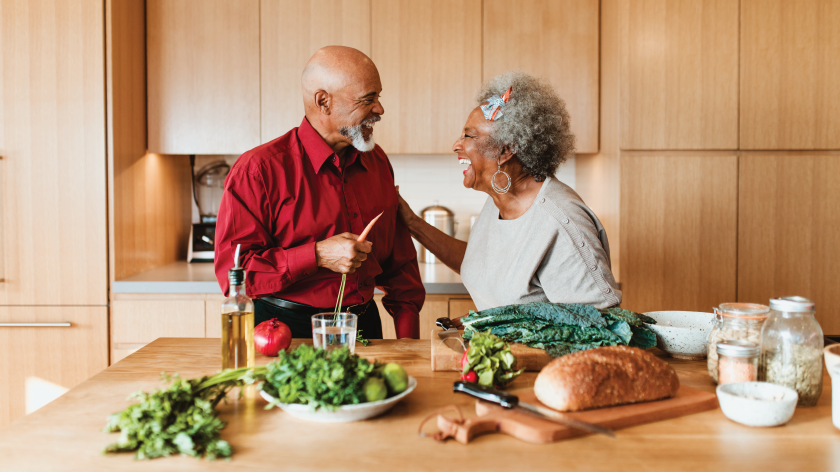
<point x="450" y="335"/>
<point x="510" y="401"/>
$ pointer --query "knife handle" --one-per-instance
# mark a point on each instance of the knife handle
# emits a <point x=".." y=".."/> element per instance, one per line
<point x="445" y="323"/>
<point x="488" y="394"/>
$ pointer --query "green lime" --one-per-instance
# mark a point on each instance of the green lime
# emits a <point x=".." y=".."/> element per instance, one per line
<point x="375" y="389"/>
<point x="396" y="378"/>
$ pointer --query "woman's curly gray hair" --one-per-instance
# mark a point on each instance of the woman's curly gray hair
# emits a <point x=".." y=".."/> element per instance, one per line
<point x="534" y="125"/>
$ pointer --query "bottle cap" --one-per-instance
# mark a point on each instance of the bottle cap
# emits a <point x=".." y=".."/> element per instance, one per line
<point x="792" y="304"/>
<point x="236" y="276"/>
<point x="738" y="349"/>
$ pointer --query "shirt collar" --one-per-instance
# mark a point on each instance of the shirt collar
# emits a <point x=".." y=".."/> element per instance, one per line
<point x="317" y="149"/>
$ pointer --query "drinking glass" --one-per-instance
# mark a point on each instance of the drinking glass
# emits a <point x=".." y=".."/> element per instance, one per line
<point x="331" y="331"/>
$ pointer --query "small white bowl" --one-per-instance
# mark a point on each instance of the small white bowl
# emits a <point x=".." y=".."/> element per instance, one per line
<point x="682" y="334"/>
<point x="345" y="413"/>
<point x="757" y="403"/>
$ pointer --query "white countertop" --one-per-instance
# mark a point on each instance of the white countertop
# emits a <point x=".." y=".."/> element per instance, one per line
<point x="198" y="277"/>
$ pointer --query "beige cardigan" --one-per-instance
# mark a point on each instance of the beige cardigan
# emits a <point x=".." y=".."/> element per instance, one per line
<point x="556" y="251"/>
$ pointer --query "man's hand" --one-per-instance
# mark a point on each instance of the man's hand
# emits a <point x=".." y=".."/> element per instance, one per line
<point x="342" y="253"/>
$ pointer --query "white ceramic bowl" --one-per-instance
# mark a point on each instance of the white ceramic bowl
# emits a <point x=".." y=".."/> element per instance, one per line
<point x="346" y="413"/>
<point x="832" y="365"/>
<point x="757" y="403"/>
<point x="682" y="334"/>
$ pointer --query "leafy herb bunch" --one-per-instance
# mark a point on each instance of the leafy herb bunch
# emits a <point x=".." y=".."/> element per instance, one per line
<point x="180" y="419"/>
<point x="323" y="379"/>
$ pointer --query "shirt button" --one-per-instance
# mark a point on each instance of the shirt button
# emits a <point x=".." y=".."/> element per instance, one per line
<point x="580" y="244"/>
<point x="565" y="221"/>
<point x="594" y="267"/>
<point x="355" y="215"/>
<point x="542" y="200"/>
<point x="606" y="290"/>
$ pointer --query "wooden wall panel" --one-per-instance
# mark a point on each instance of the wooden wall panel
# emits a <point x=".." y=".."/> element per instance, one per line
<point x="53" y="147"/>
<point x="790" y="64"/>
<point x="152" y="212"/>
<point x="203" y="62"/>
<point x="290" y="32"/>
<point x="598" y="176"/>
<point x="679" y="74"/>
<point x="429" y="57"/>
<point x="149" y="195"/>
<point x="789" y="230"/>
<point x="678" y="224"/>
<point x="63" y="356"/>
<point x="557" y="41"/>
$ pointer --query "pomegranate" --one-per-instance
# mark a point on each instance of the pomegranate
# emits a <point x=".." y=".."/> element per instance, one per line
<point x="272" y="336"/>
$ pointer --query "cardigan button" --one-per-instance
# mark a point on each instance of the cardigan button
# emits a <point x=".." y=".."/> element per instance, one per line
<point x="581" y="244"/>
<point x="565" y="221"/>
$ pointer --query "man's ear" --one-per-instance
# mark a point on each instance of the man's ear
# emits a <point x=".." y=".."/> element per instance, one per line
<point x="323" y="101"/>
<point x="505" y="156"/>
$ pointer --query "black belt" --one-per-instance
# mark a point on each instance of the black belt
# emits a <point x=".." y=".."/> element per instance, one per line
<point x="311" y="310"/>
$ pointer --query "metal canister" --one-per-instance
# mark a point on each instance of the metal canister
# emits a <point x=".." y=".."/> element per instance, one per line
<point x="441" y="218"/>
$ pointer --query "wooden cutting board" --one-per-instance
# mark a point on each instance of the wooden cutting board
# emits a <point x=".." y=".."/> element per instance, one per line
<point x="445" y="359"/>
<point x="493" y="418"/>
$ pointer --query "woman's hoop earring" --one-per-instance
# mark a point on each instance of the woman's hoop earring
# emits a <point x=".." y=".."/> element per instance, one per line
<point x="496" y="188"/>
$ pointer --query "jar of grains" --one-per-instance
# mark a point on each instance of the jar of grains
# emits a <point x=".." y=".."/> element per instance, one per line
<point x="738" y="361"/>
<point x="735" y="322"/>
<point x="791" y="348"/>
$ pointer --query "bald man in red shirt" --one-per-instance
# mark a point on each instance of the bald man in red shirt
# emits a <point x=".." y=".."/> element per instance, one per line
<point x="298" y="203"/>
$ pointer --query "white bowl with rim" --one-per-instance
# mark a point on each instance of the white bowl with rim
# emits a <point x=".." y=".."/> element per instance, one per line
<point x="344" y="413"/>
<point x="682" y="334"/>
<point x="757" y="403"/>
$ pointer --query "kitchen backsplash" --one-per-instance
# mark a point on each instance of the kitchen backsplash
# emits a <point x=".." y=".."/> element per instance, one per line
<point x="426" y="179"/>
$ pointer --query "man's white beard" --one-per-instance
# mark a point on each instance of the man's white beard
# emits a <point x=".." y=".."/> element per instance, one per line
<point x="355" y="133"/>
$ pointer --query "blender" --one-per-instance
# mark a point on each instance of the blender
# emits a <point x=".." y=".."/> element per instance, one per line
<point x="208" y="185"/>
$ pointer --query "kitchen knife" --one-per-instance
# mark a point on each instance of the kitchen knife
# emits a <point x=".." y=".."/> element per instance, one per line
<point x="450" y="335"/>
<point x="510" y="401"/>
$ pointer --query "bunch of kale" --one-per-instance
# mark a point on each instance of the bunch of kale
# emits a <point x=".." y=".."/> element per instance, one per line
<point x="562" y="329"/>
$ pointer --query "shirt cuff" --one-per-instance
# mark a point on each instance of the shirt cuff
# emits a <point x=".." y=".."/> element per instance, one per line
<point x="301" y="261"/>
<point x="407" y="324"/>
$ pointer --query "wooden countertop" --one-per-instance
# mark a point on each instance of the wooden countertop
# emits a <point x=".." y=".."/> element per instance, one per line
<point x="66" y="434"/>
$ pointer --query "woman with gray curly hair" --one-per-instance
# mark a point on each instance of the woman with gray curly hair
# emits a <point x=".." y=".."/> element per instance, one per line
<point x="535" y="240"/>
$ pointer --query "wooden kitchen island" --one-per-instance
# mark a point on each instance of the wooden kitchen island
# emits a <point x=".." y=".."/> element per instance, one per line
<point x="67" y="433"/>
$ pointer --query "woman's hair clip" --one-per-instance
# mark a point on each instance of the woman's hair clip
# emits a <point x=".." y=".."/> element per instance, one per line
<point x="493" y="109"/>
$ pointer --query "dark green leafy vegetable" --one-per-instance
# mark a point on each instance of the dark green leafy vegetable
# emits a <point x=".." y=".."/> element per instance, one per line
<point x="490" y="358"/>
<point x="180" y="419"/>
<point x="562" y="329"/>
<point x="361" y="339"/>
<point x="323" y="379"/>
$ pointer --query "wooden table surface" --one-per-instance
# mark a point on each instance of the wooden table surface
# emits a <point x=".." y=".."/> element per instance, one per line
<point x="67" y="433"/>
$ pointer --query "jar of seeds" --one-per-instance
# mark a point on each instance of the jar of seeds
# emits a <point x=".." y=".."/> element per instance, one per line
<point x="791" y="348"/>
<point x="735" y="322"/>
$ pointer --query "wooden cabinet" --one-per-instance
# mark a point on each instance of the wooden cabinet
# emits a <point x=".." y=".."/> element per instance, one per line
<point x="137" y="320"/>
<point x="429" y="57"/>
<point x="203" y="60"/>
<point x="678" y="231"/>
<point x="557" y="41"/>
<point x="789" y="230"/>
<point x="679" y="74"/>
<point x="290" y="32"/>
<point x="39" y="363"/>
<point x="789" y="74"/>
<point x="52" y="142"/>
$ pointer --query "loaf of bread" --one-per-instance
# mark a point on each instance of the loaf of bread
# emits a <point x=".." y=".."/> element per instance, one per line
<point x="605" y="376"/>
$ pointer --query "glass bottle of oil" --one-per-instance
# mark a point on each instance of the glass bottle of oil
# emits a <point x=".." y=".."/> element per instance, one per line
<point x="237" y="323"/>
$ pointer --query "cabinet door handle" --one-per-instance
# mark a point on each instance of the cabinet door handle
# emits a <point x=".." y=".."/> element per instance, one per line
<point x="65" y="324"/>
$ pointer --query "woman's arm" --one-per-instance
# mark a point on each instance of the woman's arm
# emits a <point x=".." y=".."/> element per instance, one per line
<point x="449" y="250"/>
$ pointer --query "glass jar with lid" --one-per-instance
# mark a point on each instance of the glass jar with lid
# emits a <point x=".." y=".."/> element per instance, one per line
<point x="791" y="348"/>
<point x="738" y="362"/>
<point x="735" y="322"/>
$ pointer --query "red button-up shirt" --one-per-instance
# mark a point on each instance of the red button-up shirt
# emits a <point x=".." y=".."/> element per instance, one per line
<point x="282" y="197"/>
